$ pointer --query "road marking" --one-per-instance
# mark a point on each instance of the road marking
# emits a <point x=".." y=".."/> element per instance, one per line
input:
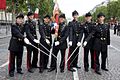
<point x="75" y="74"/>
<point x="5" y="64"/>
<point x="115" y="48"/>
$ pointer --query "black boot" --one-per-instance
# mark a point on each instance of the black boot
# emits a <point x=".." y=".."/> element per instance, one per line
<point x="104" y="69"/>
<point x="78" y="67"/>
<point x="51" y="69"/>
<point x="98" y="72"/>
<point x="20" y="72"/>
<point x="62" y="70"/>
<point x="41" y="70"/>
<point x="86" y="70"/>
<point x="30" y="70"/>
<point x="11" y="74"/>
<point x="71" y="69"/>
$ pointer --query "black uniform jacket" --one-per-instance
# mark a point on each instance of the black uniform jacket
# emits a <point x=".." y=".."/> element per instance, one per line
<point x="101" y="34"/>
<point x="87" y="28"/>
<point x="45" y="32"/>
<point x="17" y="39"/>
<point x="63" y="33"/>
<point x="30" y="29"/>
<point x="75" y="32"/>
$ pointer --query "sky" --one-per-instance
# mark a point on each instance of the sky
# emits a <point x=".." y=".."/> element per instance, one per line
<point x="82" y="6"/>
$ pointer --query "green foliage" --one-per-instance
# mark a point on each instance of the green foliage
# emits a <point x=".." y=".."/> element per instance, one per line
<point x="102" y="9"/>
<point x="112" y="9"/>
<point x="45" y="6"/>
<point x="81" y="18"/>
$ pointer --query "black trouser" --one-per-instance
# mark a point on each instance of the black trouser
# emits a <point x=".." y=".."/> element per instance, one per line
<point x="43" y="57"/>
<point x="115" y="30"/>
<point x="103" y="57"/>
<point x="54" y="60"/>
<point x="31" y="50"/>
<point x="74" y="58"/>
<point x="86" y="54"/>
<point x="15" y="56"/>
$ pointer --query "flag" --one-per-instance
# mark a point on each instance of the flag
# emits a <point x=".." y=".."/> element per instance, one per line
<point x="2" y="4"/>
<point x="36" y="14"/>
<point x="56" y="15"/>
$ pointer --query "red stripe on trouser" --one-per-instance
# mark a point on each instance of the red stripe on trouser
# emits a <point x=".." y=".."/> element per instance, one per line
<point x="69" y="59"/>
<point x="94" y="59"/>
<point x="9" y="61"/>
<point x="28" y="62"/>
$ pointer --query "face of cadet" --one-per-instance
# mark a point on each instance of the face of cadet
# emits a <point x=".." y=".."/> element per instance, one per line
<point x="76" y="17"/>
<point x="61" y="20"/>
<point x="88" y="19"/>
<point x="101" y="19"/>
<point x="31" y="17"/>
<point x="46" y="20"/>
<point x="19" y="20"/>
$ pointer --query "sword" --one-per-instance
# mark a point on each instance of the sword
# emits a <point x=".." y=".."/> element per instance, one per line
<point x="42" y="51"/>
<point x="47" y="50"/>
<point x="76" y="55"/>
<point x="38" y="49"/>
<point x="69" y="58"/>
<point x="71" y="55"/>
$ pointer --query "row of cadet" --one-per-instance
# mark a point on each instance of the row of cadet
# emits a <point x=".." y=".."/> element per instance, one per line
<point x="96" y="40"/>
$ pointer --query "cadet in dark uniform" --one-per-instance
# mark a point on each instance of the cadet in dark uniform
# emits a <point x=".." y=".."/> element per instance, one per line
<point x="45" y="40"/>
<point x="115" y="28"/>
<point x="16" y="45"/>
<point x="118" y="29"/>
<point x="87" y="29"/>
<point x="30" y="29"/>
<point x="102" y="40"/>
<point x="75" y="32"/>
<point x="60" y="43"/>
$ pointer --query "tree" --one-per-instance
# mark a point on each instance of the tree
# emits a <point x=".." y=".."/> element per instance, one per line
<point x="112" y="9"/>
<point x="45" y="6"/>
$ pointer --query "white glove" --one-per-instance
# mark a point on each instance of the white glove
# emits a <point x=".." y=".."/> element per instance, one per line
<point x="79" y="44"/>
<point x="57" y="43"/>
<point x="26" y="41"/>
<point x="36" y="41"/>
<point x="47" y="41"/>
<point x="85" y="43"/>
<point x="55" y="24"/>
<point x="70" y="43"/>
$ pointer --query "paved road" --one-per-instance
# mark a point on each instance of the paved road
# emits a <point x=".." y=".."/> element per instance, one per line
<point x="113" y="74"/>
